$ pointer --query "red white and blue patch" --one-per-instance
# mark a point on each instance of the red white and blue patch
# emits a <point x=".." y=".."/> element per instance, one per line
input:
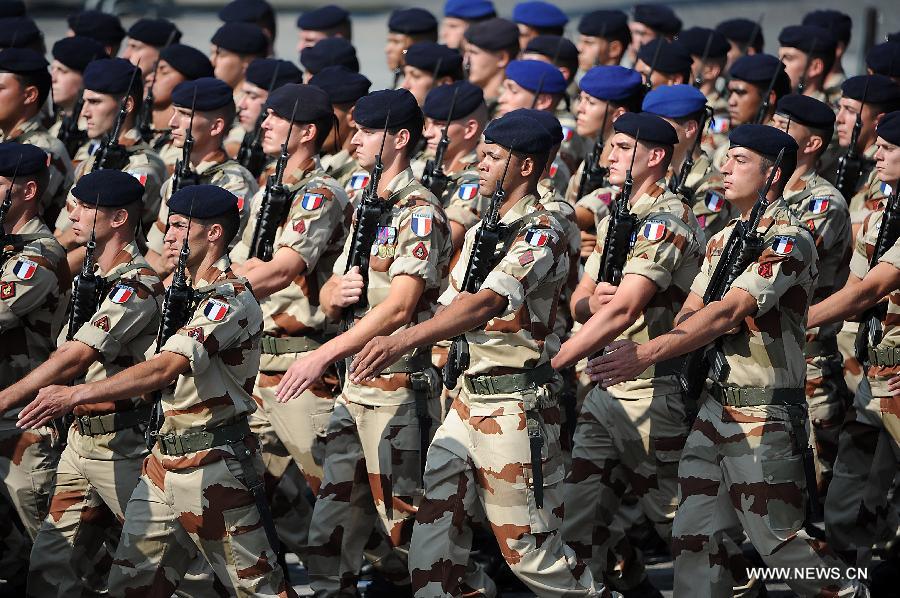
<point x="467" y="191"/>
<point x="654" y="230"/>
<point x="215" y="311"/>
<point x="715" y="202"/>
<point x="25" y="269"/>
<point x="120" y="294"/>
<point x="240" y="203"/>
<point x="818" y="205"/>
<point x="141" y="178"/>
<point x="782" y="245"/>
<point x="358" y="181"/>
<point x="553" y="169"/>
<point x="567" y="134"/>
<point x="538" y="237"/>
<point x="312" y="201"/>
<point x="421" y="224"/>
<point x="886" y="189"/>
<point x="719" y="125"/>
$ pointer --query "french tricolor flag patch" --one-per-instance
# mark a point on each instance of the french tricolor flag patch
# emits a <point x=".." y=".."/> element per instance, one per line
<point x="553" y="169"/>
<point x="782" y="245"/>
<point x="567" y="134"/>
<point x="467" y="191"/>
<point x="215" y="310"/>
<point x="141" y="178"/>
<point x="312" y="201"/>
<point x="654" y="230"/>
<point x="538" y="237"/>
<point x="421" y="224"/>
<point x="886" y="189"/>
<point x="121" y="294"/>
<point x="359" y="181"/>
<point x="715" y="202"/>
<point x="718" y="125"/>
<point x="25" y="269"/>
<point x="817" y="205"/>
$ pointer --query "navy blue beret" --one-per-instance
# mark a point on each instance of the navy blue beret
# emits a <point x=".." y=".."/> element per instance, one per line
<point x="539" y="14"/>
<point x="189" y="61"/>
<point x="658" y="17"/>
<point x="245" y="11"/>
<point x="493" y="34"/>
<point x="604" y="23"/>
<point x="674" y="101"/>
<point x="519" y="132"/>
<point x="203" y="201"/>
<point x="615" y="83"/>
<point x="312" y="103"/>
<point x="550" y="123"/>
<point x="372" y="110"/>
<point x="272" y="73"/>
<point x="536" y="76"/>
<point x="210" y="94"/>
<point x="464" y="97"/>
<point x="881" y="89"/>
<point x="329" y="52"/>
<point x="241" y="38"/>
<point x="12" y="8"/>
<point x="884" y="59"/>
<point x="765" y="140"/>
<point x="108" y="188"/>
<point x="22" y="159"/>
<point x="411" y="21"/>
<point x="806" y="110"/>
<point x="469" y="9"/>
<point x="155" y="32"/>
<point x="19" y="32"/>
<point x="342" y="85"/>
<point x="807" y="38"/>
<point x="696" y="38"/>
<point x="742" y="31"/>
<point x="434" y="58"/>
<point x="101" y="26"/>
<point x="894" y="37"/>
<point x="672" y="57"/>
<point x="553" y="46"/>
<point x="111" y="75"/>
<point x="646" y="127"/>
<point x="756" y="68"/>
<point x="22" y="61"/>
<point x="76" y="52"/>
<point x="889" y="127"/>
<point x="323" y="18"/>
<point x="839" y="24"/>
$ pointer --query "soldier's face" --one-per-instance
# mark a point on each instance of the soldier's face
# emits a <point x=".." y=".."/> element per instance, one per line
<point x="66" y="83"/>
<point x="735" y="51"/>
<point x="640" y="35"/>
<point x="846" y="119"/>
<point x="622" y="148"/>
<point x="367" y="144"/>
<point x="887" y="161"/>
<point x="99" y="111"/>
<point x="393" y="49"/>
<point x="418" y="82"/>
<point x="252" y="100"/>
<point x="12" y="97"/>
<point x="795" y="62"/>
<point x="493" y="165"/>
<point x="82" y="217"/>
<point x="800" y="133"/>
<point x="589" y="116"/>
<point x="275" y="131"/>
<point x="227" y="66"/>
<point x="140" y="54"/>
<point x="452" y="31"/>
<point x="591" y="51"/>
<point x="455" y="133"/>
<point x="176" y="231"/>
<point x="743" y="102"/>
<point x="307" y="38"/>
<point x="526" y="34"/>
<point x="512" y="97"/>
<point x="656" y="77"/>
<point x="743" y="175"/>
<point x="181" y="121"/>
<point x="167" y="78"/>
<point x="483" y="65"/>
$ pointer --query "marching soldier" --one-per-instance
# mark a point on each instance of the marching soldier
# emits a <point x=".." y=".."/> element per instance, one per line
<point x="709" y="51"/>
<point x="603" y="37"/>
<point x="808" y="53"/>
<point x="407" y="26"/>
<point x="490" y="46"/>
<point x="458" y="15"/>
<point x="427" y="65"/>
<point x="535" y="18"/>
<point x="234" y="46"/>
<point x="331" y="51"/>
<point x="326" y="21"/>
<point x="103" y="27"/>
<point x="649" y="22"/>
<point x="198" y="491"/>
<point x="257" y="12"/>
<point x="840" y="26"/>
<point x="70" y="57"/>
<point x="661" y="62"/>
<point x="146" y="38"/>
<point x="744" y="36"/>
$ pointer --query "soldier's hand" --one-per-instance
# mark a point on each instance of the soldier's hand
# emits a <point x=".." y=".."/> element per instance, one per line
<point x="302" y="374"/>
<point x="588" y="244"/>
<point x="378" y="353"/>
<point x="894" y="385"/>
<point x="602" y="295"/>
<point x="350" y="288"/>
<point x="622" y="361"/>
<point x="51" y="402"/>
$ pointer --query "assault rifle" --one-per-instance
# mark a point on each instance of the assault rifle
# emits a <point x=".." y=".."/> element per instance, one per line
<point x="622" y="224"/>
<point x="764" y="105"/>
<point x="70" y="134"/>
<point x="434" y="177"/>
<point x="592" y="174"/>
<point x="850" y="165"/>
<point x="698" y="78"/>
<point x="145" y="118"/>
<point x="251" y="155"/>
<point x="87" y="288"/>
<point x="111" y="154"/>
<point x="184" y="175"/>
<point x="679" y="184"/>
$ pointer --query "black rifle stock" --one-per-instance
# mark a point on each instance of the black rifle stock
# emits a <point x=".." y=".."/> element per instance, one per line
<point x="679" y="184"/>
<point x="145" y="119"/>
<point x="70" y="134"/>
<point x="111" y="154"/>
<point x="184" y="175"/>
<point x="434" y="177"/>
<point x="251" y="155"/>
<point x="698" y="78"/>
<point x="87" y="288"/>
<point x="622" y="224"/>
<point x="765" y="103"/>
<point x="850" y="165"/>
<point x="593" y="175"/>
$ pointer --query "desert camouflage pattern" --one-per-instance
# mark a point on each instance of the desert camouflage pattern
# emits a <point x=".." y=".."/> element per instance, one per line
<point x="712" y="210"/>
<point x="870" y="192"/>
<point x="573" y="146"/>
<point x="459" y="207"/>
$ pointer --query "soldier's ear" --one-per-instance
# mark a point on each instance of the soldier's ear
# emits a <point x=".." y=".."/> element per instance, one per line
<point x="214" y="232"/>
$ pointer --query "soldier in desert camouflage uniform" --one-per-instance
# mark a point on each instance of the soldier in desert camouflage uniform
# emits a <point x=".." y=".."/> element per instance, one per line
<point x="21" y="121"/>
<point x="478" y="464"/>
<point x="373" y="454"/>
<point x="32" y="283"/>
<point x="743" y="462"/>
<point x="193" y="497"/>
<point x="213" y="110"/>
<point x="102" y="461"/>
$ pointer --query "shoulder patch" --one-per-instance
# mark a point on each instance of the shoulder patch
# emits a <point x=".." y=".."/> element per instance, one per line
<point x="719" y="125"/>
<point x="216" y="310"/>
<point x="358" y="181"/>
<point x="102" y="323"/>
<point x="25" y="269"/>
<point x="312" y="201"/>
<point x="121" y="293"/>
<point x="715" y="201"/>
<point x="300" y="226"/>
<point x="526" y="258"/>
<point x="554" y="167"/>
<point x="538" y="237"/>
<point x="421" y="224"/>
<point x="141" y="177"/>
<point x="605" y="197"/>
<point x="765" y="269"/>
<point x="818" y="205"/>
<point x="196" y="334"/>
<point x="782" y="244"/>
<point x="240" y="203"/>
<point x="7" y="290"/>
<point x="654" y="230"/>
<point x="419" y="251"/>
<point x="467" y="191"/>
<point x="386" y="235"/>
<point x="568" y="133"/>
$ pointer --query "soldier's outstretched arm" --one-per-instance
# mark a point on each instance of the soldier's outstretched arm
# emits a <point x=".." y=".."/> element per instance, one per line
<point x="627" y="359"/>
<point x="71" y="360"/>
<point x="856" y="297"/>
<point x="140" y="379"/>
<point x="272" y="276"/>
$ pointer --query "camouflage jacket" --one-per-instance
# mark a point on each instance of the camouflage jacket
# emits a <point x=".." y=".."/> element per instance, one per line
<point x="871" y="191"/>
<point x="710" y="207"/>
<point x="342" y="166"/>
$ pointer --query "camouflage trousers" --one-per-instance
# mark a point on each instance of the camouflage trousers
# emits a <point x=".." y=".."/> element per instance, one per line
<point x="857" y="513"/>
<point x="479" y="467"/>
<point x="741" y="468"/>
<point x="174" y="516"/>
<point x="853" y="372"/>
<point x="622" y="444"/>
<point x="27" y="467"/>
<point x="827" y="397"/>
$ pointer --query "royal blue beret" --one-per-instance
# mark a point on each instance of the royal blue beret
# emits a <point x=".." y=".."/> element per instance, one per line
<point x="519" y="132"/>
<point x="323" y="18"/>
<point x="272" y="73"/>
<point x="245" y="11"/>
<point x="696" y="39"/>
<point x="108" y="188"/>
<point x="884" y="59"/>
<point x="671" y="57"/>
<point x="536" y="76"/>
<point x="742" y="31"/>
<point x="553" y="46"/>
<point x="674" y="101"/>
<point x="329" y="52"/>
<point x="111" y="75"/>
<point x="881" y="89"/>
<point x="839" y="24"/>
<point x="889" y="127"/>
<point x="241" y="38"/>
<point x="807" y="111"/>
<point x="77" y="51"/>
<point x="493" y="34"/>
<point x="155" y="32"/>
<point x="101" y="26"/>
<point x="189" y="61"/>
<point x="22" y="159"/>
<point x="756" y="68"/>
<point x="411" y="21"/>
<point x="604" y="23"/>
<point x="469" y="9"/>
<point x="312" y="103"/>
<point x="203" y="201"/>
<point x="765" y="140"/>
<point x="434" y="58"/>
<point x="615" y="83"/>
<point x="464" y="98"/>
<point x="539" y="14"/>
<point x="206" y="93"/>
<point x="372" y="111"/>
<point x="808" y="39"/>
<point x="19" y="32"/>
<point x="547" y="120"/>
<point x="12" y="8"/>
<point x="646" y="127"/>
<point x="342" y="85"/>
<point x="658" y="17"/>
<point x="22" y="61"/>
